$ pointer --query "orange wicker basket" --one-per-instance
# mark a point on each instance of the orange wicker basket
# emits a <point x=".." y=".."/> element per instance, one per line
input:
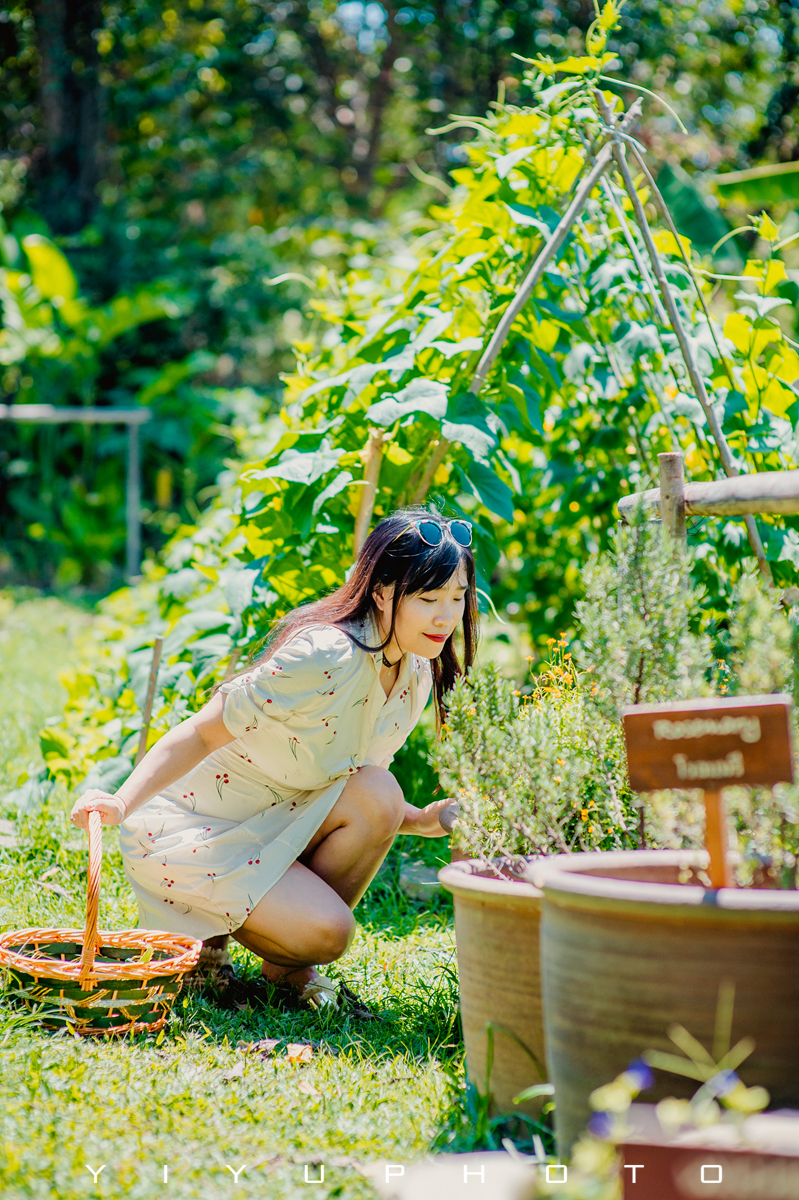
<point x="99" y="983"/>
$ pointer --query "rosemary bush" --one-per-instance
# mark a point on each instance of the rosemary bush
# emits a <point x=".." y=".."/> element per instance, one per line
<point x="534" y="776"/>
<point x="546" y="772"/>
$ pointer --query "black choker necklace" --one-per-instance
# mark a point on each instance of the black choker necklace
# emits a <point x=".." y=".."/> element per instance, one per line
<point x="388" y="664"/>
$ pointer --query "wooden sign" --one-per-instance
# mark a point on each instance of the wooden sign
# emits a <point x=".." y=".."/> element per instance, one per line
<point x="710" y="743"/>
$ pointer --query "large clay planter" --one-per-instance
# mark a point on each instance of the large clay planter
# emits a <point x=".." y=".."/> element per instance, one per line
<point x="627" y="949"/>
<point x="496" y="929"/>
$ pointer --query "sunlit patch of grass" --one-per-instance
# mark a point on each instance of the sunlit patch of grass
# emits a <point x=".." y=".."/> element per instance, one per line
<point x="201" y="1100"/>
<point x="198" y="1101"/>
<point x="37" y="639"/>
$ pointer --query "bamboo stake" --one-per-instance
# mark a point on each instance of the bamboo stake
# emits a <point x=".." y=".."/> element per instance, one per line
<point x="234" y="662"/>
<point x="534" y="276"/>
<point x="372" y="455"/>
<point x="672" y="497"/>
<point x="727" y="461"/>
<point x="148" y="706"/>
<point x="550" y="249"/>
<point x="433" y="463"/>
<point x="716" y="840"/>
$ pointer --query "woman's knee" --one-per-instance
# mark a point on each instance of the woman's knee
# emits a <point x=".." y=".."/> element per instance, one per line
<point x="380" y="799"/>
<point x="335" y="932"/>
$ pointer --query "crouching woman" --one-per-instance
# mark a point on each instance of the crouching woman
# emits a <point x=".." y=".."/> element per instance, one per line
<point x="267" y="814"/>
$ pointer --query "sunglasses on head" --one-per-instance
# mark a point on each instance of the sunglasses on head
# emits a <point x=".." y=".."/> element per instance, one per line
<point x="431" y="531"/>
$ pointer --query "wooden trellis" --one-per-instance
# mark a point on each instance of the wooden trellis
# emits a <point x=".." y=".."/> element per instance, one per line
<point x="772" y="492"/>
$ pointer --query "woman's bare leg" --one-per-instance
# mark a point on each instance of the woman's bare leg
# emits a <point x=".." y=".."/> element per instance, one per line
<point x="348" y="848"/>
<point x="296" y="927"/>
<point x="218" y="942"/>
<point x="298" y="923"/>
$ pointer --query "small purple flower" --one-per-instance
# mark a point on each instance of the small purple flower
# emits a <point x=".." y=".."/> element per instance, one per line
<point x="601" y="1125"/>
<point x="639" y="1074"/>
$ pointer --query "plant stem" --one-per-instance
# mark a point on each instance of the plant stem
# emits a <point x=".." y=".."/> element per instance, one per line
<point x="548" y="252"/>
<point x="372" y="455"/>
<point x="433" y="463"/>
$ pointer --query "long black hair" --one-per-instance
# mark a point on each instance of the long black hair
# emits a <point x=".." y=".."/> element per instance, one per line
<point x="395" y="554"/>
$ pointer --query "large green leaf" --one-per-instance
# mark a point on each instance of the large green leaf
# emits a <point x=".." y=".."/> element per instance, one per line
<point x="772" y="184"/>
<point x="296" y="467"/>
<point x="467" y="424"/>
<point x="696" y="215"/>
<point x="421" y="395"/>
<point x="49" y="268"/>
<point x="489" y="489"/>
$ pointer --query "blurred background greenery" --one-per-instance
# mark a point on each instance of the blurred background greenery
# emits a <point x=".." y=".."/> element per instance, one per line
<point x="182" y="157"/>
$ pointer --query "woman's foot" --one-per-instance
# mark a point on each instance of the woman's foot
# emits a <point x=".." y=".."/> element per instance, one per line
<point x="306" y="983"/>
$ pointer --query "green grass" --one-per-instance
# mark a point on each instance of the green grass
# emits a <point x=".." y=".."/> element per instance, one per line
<point x="38" y="638"/>
<point x="198" y="1100"/>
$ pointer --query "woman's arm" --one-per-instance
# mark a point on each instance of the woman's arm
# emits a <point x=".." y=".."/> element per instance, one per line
<point x="172" y="757"/>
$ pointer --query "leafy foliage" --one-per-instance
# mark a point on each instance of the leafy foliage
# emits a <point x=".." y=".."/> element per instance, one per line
<point x="636" y="624"/>
<point x="546" y="776"/>
<point x="583" y="393"/>
<point x="547" y="772"/>
<point x="55" y="345"/>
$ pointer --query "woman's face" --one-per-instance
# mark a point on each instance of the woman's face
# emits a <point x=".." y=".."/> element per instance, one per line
<point x="424" y="620"/>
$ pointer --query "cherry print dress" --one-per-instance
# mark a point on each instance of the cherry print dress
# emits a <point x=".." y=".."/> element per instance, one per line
<point x="203" y="853"/>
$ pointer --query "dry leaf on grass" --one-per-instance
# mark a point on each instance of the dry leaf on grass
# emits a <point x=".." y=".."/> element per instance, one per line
<point x="265" y="1046"/>
<point x="296" y="1052"/>
<point x="54" y="887"/>
<point x="235" y="1072"/>
<point x="307" y="1088"/>
<point x="299" y="1052"/>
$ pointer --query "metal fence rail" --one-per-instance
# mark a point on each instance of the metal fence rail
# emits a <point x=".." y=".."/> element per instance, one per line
<point x="133" y="418"/>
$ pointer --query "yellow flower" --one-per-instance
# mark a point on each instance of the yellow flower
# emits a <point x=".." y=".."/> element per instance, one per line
<point x="584" y="814"/>
<point x="590" y="829"/>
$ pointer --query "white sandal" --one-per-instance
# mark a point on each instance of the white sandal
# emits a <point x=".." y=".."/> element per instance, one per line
<point x="320" y="993"/>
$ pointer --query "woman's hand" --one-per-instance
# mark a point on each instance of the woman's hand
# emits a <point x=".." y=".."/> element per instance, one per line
<point x="111" y="808"/>
<point x="425" y="822"/>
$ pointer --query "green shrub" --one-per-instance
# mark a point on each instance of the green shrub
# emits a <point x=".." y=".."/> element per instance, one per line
<point x="547" y="773"/>
<point x="543" y="776"/>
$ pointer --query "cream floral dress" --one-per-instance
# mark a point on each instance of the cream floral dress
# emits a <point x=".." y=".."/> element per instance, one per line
<point x="203" y="853"/>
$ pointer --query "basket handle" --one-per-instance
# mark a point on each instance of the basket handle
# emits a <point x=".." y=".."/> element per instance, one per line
<point x="91" y="940"/>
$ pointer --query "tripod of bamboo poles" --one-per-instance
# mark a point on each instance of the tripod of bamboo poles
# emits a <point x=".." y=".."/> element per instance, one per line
<point x="615" y="143"/>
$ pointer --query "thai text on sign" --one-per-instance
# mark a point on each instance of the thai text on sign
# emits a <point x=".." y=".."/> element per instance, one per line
<point x="709" y="743"/>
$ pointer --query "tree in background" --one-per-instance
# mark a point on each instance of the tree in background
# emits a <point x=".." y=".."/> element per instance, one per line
<point x="213" y="146"/>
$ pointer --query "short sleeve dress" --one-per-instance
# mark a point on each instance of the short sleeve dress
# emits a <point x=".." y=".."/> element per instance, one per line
<point x="200" y="855"/>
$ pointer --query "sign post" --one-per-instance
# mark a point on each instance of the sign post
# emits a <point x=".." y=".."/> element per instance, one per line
<point x="710" y="744"/>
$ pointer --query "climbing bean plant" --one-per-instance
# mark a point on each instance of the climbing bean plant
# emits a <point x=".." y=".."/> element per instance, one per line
<point x="379" y="410"/>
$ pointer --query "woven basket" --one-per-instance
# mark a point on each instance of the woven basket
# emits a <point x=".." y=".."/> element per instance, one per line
<point x="96" y="982"/>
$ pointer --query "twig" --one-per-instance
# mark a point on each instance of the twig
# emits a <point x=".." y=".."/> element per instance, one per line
<point x="148" y="707"/>
<point x="372" y="455"/>
<point x="547" y="253"/>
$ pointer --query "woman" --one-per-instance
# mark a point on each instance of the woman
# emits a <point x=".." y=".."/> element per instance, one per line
<point x="267" y="814"/>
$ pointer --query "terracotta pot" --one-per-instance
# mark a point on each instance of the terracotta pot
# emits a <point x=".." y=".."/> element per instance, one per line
<point x="496" y="928"/>
<point x="627" y="949"/>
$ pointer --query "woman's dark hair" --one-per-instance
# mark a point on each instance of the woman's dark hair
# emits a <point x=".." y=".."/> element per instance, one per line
<point x="394" y="553"/>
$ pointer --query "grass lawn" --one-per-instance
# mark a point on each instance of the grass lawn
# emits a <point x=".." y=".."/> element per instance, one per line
<point x="197" y="1100"/>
